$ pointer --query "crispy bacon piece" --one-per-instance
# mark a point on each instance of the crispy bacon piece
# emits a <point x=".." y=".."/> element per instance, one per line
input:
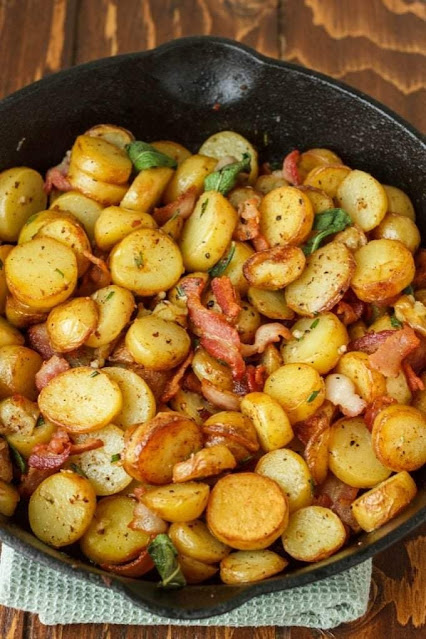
<point x="84" y="447"/>
<point x="266" y="334"/>
<point x="136" y="568"/>
<point x="388" y="357"/>
<point x="97" y="275"/>
<point x="370" y="342"/>
<point x="417" y="359"/>
<point x="182" y="207"/>
<point x="53" y="455"/>
<point x="32" y="480"/>
<point x="38" y="340"/>
<point x="341" y="496"/>
<point x="414" y="382"/>
<point x="315" y="424"/>
<point x="217" y="336"/>
<point x="226" y="297"/>
<point x="174" y="384"/>
<point x="349" y="312"/>
<point x="376" y="406"/>
<point x="249" y="218"/>
<point x="290" y="169"/>
<point x="57" y="176"/>
<point x="226" y="400"/>
<point x="192" y="383"/>
<point x="252" y="381"/>
<point x="260" y="243"/>
<point x="50" y="369"/>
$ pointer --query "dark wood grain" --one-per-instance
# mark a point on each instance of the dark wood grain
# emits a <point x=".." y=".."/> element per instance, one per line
<point x="378" y="46"/>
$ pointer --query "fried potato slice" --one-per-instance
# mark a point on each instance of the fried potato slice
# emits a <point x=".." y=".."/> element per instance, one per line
<point x="195" y="571"/>
<point x="272" y="304"/>
<point x="138" y="399"/>
<point x="83" y="208"/>
<point x="274" y="268"/>
<point x="71" y="323"/>
<point x="18" y="368"/>
<point x="157" y="343"/>
<point x="272" y="425"/>
<point x="194" y="540"/>
<point x="399" y="202"/>
<point x="368" y="382"/>
<point x="246" y="566"/>
<point x="177" y="502"/>
<point x="399" y="437"/>
<point x="364" y="198"/>
<point x="115" y="306"/>
<point x="229" y="143"/>
<point x="207" y="462"/>
<point x="286" y="216"/>
<point x="101" y="159"/>
<point x="290" y="471"/>
<point x="116" y="135"/>
<point x="21" y="195"/>
<point x="398" y="227"/>
<point x="327" y="178"/>
<point x="313" y="533"/>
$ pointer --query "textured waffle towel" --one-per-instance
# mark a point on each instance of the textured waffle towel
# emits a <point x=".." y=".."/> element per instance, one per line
<point x="57" y="599"/>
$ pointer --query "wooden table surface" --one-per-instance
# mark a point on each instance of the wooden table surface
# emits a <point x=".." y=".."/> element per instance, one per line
<point x="378" y="46"/>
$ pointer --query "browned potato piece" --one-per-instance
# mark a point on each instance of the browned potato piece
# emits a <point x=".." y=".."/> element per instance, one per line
<point x="326" y="277"/>
<point x="327" y="178"/>
<point x="384" y="502"/>
<point x="271" y="359"/>
<point x="383" y="269"/>
<point x="195" y="571"/>
<point x="286" y="216"/>
<point x="4" y="252"/>
<point x="41" y="273"/>
<point x="398" y="227"/>
<point x="81" y="400"/>
<point x="9" y="497"/>
<point x="9" y="335"/>
<point x="269" y="419"/>
<point x="247" y="511"/>
<point x="21" y="315"/>
<point x="267" y="183"/>
<point x="272" y="304"/>
<point x="313" y="158"/>
<point x="156" y="343"/>
<point x="205" y="463"/>
<point x="71" y="323"/>
<point x="368" y="382"/>
<point x="194" y="540"/>
<point x="290" y="471"/>
<point x="274" y="268"/>
<point x="99" y="190"/>
<point x="231" y="144"/>
<point x="18" y="415"/>
<point x="69" y="232"/>
<point x="190" y="404"/>
<point x="234" y="270"/>
<point x="319" y="199"/>
<point x="116" y="222"/>
<point x="313" y="533"/>
<point x="101" y="160"/>
<point x="234" y="430"/>
<point x="364" y="198"/>
<point x="153" y="448"/>
<point x="115" y="306"/>
<point x="207" y="367"/>
<point x="399" y="202"/>
<point x="399" y="437"/>
<point x="83" y="208"/>
<point x="61" y="508"/>
<point x="246" y="566"/>
<point x="190" y="173"/>
<point x="6" y="471"/>
<point x="177" y="502"/>
<point x="147" y="189"/>
<point x="25" y="442"/>
<point x="116" y="135"/>
<point x="21" y="195"/>
<point x="18" y="367"/>
<point x="353" y="237"/>
<point x="173" y="149"/>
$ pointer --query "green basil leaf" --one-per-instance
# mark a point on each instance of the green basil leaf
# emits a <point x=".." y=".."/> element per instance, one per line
<point x="315" y="323"/>
<point x="164" y="555"/>
<point x="395" y="323"/>
<point x="17" y="459"/>
<point x="221" y="266"/>
<point x="115" y="458"/>
<point x="225" y="179"/>
<point x="326" y="223"/>
<point x="312" y="396"/>
<point x="144" y="156"/>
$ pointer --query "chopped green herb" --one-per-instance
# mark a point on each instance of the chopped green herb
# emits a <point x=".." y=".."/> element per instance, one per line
<point x="225" y="179"/>
<point x="221" y="266"/>
<point x="175" y="215"/>
<point x="312" y="484"/>
<point x="1" y="265"/>
<point x="139" y="261"/>
<point x="110" y="294"/>
<point x="204" y="206"/>
<point x="409" y="290"/>
<point x="326" y="223"/>
<point x="60" y="272"/>
<point x="315" y="323"/>
<point x="115" y="458"/>
<point x="395" y="323"/>
<point x="94" y="374"/>
<point x="179" y="292"/>
<point x="196" y="342"/>
<point x="246" y="459"/>
<point x="40" y="421"/>
<point x="376" y="312"/>
<point x="312" y="396"/>
<point x="164" y="555"/>
<point x="222" y="362"/>
<point x="144" y="156"/>
<point x="17" y="459"/>
<point x="76" y="469"/>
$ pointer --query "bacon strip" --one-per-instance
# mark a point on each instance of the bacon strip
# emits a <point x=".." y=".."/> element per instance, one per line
<point x="260" y="243"/>
<point x="340" y="497"/>
<point x="249" y="219"/>
<point x="388" y="357"/>
<point x="174" y="384"/>
<point x="370" y="342"/>
<point x="53" y="455"/>
<point x="290" y="170"/>
<point x="226" y="400"/>
<point x="349" y="312"/>
<point x="414" y="382"/>
<point x="218" y="338"/>
<point x="376" y="406"/>
<point x="50" y="369"/>
<point x="57" y="176"/>
<point x="136" y="568"/>
<point x="266" y="334"/>
<point x="182" y="207"/>
<point x="226" y="297"/>
<point x="39" y="341"/>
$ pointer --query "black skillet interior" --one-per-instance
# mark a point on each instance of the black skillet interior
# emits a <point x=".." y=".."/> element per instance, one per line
<point x="170" y="93"/>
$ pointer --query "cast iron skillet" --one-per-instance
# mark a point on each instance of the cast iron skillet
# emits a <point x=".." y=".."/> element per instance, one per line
<point x="169" y="92"/>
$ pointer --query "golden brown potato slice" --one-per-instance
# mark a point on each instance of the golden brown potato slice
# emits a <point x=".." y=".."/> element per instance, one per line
<point x="24" y="442"/>
<point x="324" y="281"/>
<point x="109" y="539"/>
<point x="4" y="252"/>
<point x="9" y="335"/>
<point x="383" y="269"/>
<point x="399" y="437"/>
<point x="267" y="183"/>
<point x="147" y="189"/>
<point x="18" y="368"/>
<point x="352" y="237"/>
<point x="234" y="430"/>
<point x="319" y="199"/>
<point x="399" y="202"/>
<point x="116" y="135"/>
<point x="247" y="511"/>
<point x="68" y="231"/>
<point x="153" y="448"/>
<point x="368" y="382"/>
<point x="351" y="455"/>
<point x="290" y="471"/>
<point x="205" y="463"/>
<point x="139" y="261"/>
<point x="41" y="273"/>
<point x="234" y="270"/>
<point x="101" y="160"/>
<point x="196" y="571"/>
<point x="61" y="508"/>
<point x="313" y="533"/>
<point x="156" y="343"/>
<point x="70" y="324"/>
<point x="272" y="304"/>
<point x="138" y="400"/>
<point x="248" y="322"/>
<point x="115" y="306"/>
<point x="246" y="566"/>
<point x="115" y="223"/>
<point x="271" y="359"/>
<point x="83" y="208"/>
<point x="364" y="198"/>
<point x="299" y="389"/>
<point x="286" y="216"/>
<point x="21" y="195"/>
<point x="274" y="268"/>
<point x="18" y="415"/>
<point x="207" y="367"/>
<point x="6" y="468"/>
<point x="384" y="502"/>
<point x="229" y="143"/>
<point x="313" y="158"/>
<point x="9" y="498"/>
<point x="192" y="405"/>
<point x="190" y="173"/>
<point x="81" y="400"/>
<point x="327" y="178"/>
<point x="173" y="149"/>
<point x="98" y="190"/>
<point x="272" y="425"/>
<point x="398" y="227"/>
<point x="177" y="502"/>
<point x="21" y="315"/>
<point x="194" y="540"/>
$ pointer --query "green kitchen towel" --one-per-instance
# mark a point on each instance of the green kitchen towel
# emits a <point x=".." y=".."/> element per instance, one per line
<point x="59" y="599"/>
